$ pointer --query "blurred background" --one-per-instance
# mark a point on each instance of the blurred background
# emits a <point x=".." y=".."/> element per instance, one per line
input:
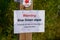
<point x="52" y="19"/>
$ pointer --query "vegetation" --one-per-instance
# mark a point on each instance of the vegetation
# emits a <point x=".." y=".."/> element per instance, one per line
<point x="52" y="19"/>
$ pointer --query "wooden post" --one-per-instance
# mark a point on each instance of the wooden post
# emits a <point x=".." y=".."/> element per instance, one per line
<point x="25" y="36"/>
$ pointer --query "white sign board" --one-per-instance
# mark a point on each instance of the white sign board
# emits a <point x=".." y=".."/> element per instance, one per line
<point x="26" y="3"/>
<point x="26" y="21"/>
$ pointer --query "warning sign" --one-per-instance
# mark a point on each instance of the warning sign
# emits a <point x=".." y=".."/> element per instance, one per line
<point x="26" y="21"/>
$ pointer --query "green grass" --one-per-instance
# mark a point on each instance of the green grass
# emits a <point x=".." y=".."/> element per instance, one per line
<point x="52" y="20"/>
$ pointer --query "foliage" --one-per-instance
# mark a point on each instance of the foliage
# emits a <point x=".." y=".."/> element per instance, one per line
<point x="52" y="23"/>
<point x="51" y="18"/>
<point x="6" y="19"/>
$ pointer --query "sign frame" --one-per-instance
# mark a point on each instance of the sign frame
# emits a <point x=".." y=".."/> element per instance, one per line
<point x="41" y="13"/>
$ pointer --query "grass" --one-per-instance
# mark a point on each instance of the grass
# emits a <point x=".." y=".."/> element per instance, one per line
<point x="52" y="20"/>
